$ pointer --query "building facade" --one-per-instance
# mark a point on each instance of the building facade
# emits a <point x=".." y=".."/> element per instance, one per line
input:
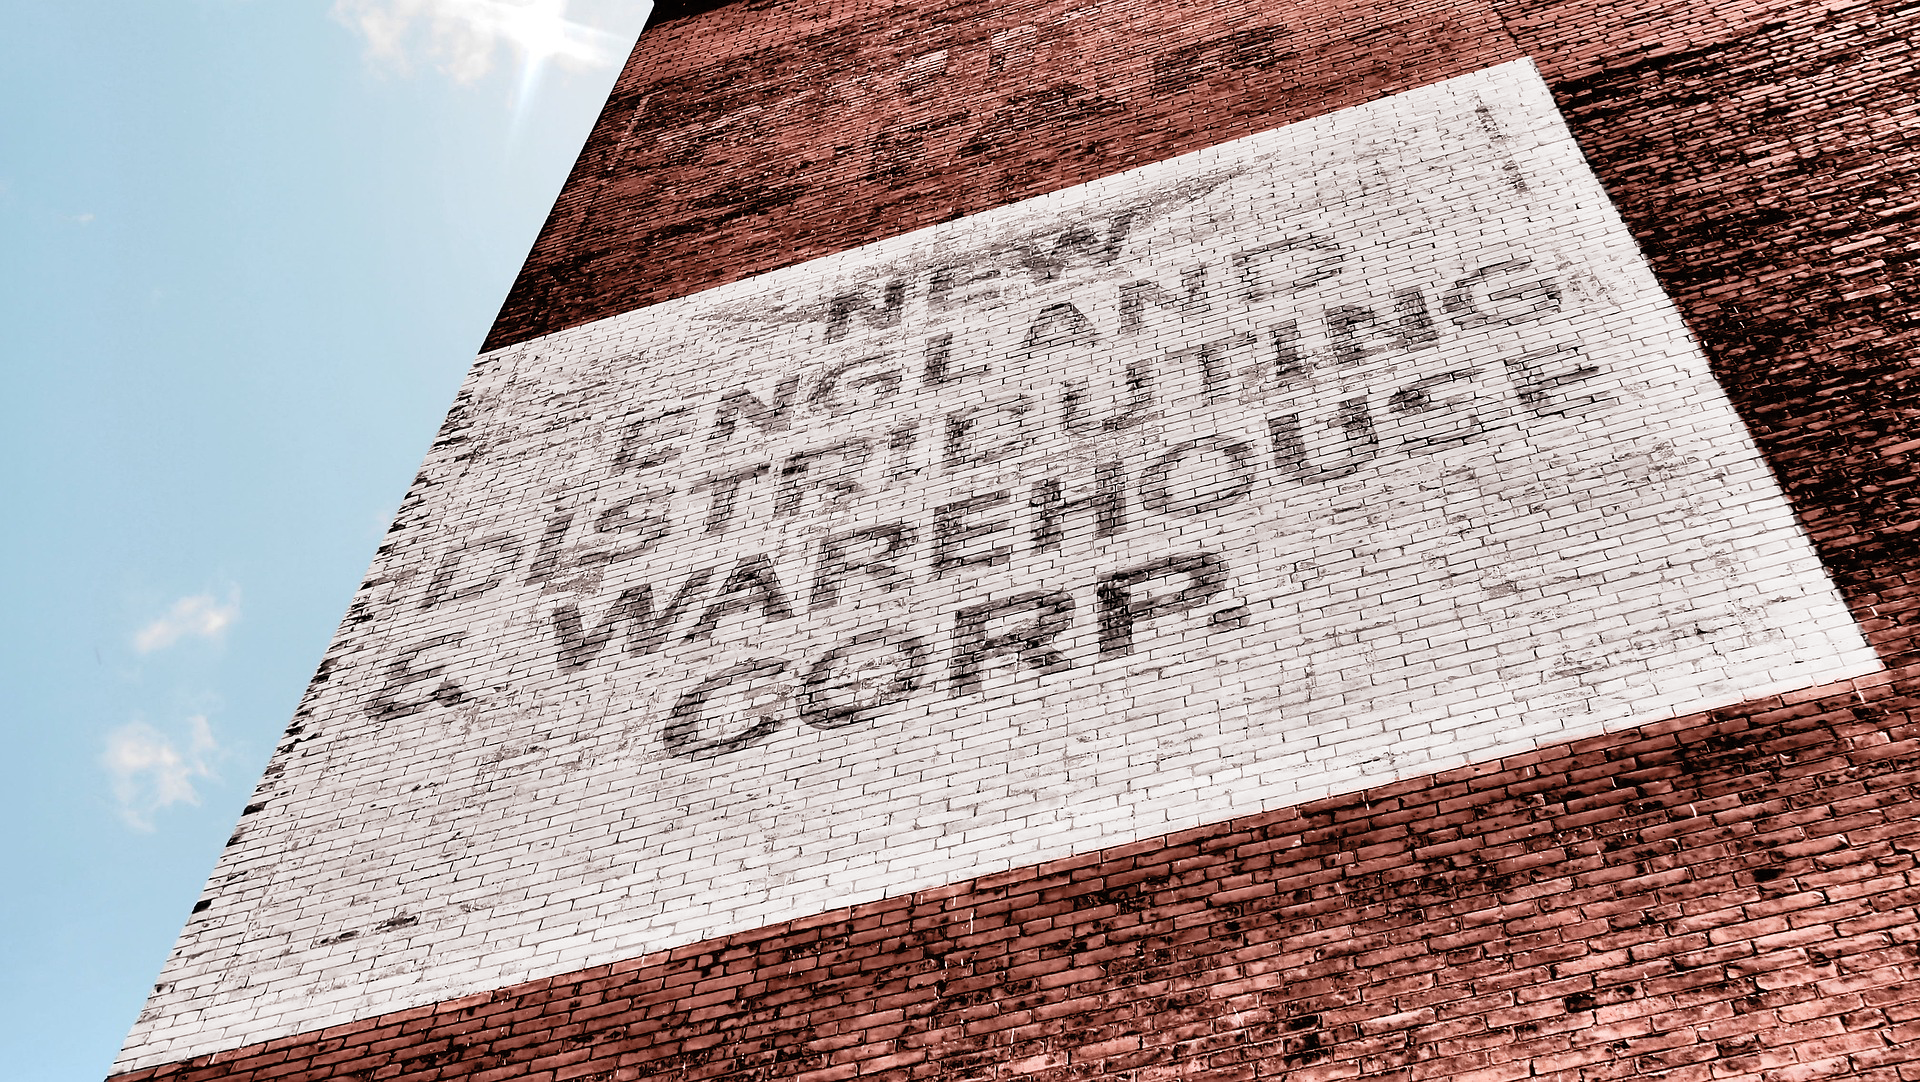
<point x="1082" y="540"/>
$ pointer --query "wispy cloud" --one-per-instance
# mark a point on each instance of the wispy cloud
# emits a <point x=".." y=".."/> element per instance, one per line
<point x="461" y="38"/>
<point x="150" y="773"/>
<point x="200" y="616"/>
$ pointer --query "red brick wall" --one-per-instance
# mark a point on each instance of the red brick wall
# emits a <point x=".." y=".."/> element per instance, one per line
<point x="1729" y="896"/>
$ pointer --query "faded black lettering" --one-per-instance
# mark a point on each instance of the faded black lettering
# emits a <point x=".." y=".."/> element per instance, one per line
<point x="633" y="609"/>
<point x="1211" y="359"/>
<point x="882" y="566"/>
<point x="843" y="308"/>
<point x="546" y="554"/>
<point x="642" y="531"/>
<point x="751" y="584"/>
<point x="1156" y="485"/>
<point x="1107" y="502"/>
<point x="1289" y="446"/>
<point x="900" y="443"/>
<point x="441" y="591"/>
<point x="938" y="358"/>
<point x="1359" y="443"/>
<point x="683" y="736"/>
<point x="1416" y="400"/>
<point x="1286" y="267"/>
<point x="945" y="282"/>
<point x="1536" y="387"/>
<point x="1289" y="363"/>
<point x="1358" y="333"/>
<point x="797" y="475"/>
<point x="1121" y="608"/>
<point x="726" y="493"/>
<point x="833" y="699"/>
<point x="1028" y="643"/>
<point x="1468" y="308"/>
<point x="1137" y="295"/>
<point x="826" y="396"/>
<point x="643" y="445"/>
<point x="952" y="532"/>
<point x="976" y="437"/>
<point x="743" y="403"/>
<point x="1138" y="407"/>
<point x="1059" y="326"/>
<point x="1080" y="243"/>
<point x="385" y="704"/>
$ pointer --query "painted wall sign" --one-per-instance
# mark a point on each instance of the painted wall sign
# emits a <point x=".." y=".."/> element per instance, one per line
<point x="1353" y="450"/>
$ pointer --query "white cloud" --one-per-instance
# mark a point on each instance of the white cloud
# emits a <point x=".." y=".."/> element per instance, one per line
<point x="150" y="773"/>
<point x="199" y="616"/>
<point x="461" y="37"/>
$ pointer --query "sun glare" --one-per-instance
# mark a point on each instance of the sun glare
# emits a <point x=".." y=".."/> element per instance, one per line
<point x="541" y="33"/>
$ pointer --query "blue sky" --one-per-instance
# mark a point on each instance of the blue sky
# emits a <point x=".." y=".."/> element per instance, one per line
<point x="247" y="250"/>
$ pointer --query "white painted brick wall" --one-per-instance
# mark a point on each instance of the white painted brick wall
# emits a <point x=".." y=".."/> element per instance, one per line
<point x="1557" y="569"/>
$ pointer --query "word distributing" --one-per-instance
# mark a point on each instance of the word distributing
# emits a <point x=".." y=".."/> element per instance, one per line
<point x="1416" y="410"/>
